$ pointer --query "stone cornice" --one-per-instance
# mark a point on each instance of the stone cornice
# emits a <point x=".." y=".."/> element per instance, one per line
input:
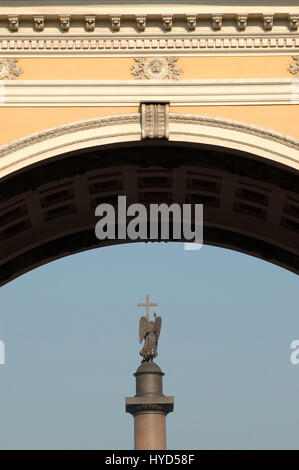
<point x="132" y="7"/>
<point x="149" y="404"/>
<point x="93" y="29"/>
<point x="147" y="18"/>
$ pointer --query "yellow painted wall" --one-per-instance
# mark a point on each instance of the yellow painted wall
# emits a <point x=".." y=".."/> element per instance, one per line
<point x="119" y="68"/>
<point x="281" y="118"/>
<point x="19" y="122"/>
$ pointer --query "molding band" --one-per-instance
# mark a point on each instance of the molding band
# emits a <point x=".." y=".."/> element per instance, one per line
<point x="128" y="46"/>
<point x="236" y="126"/>
<point x="38" y="137"/>
<point x="132" y="92"/>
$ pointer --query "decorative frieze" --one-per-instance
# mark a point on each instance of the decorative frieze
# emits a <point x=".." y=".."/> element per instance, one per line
<point x="156" y="68"/>
<point x="9" y="69"/>
<point x="170" y="21"/>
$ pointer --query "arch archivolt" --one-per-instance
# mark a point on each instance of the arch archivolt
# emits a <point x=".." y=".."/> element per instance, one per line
<point x="128" y="128"/>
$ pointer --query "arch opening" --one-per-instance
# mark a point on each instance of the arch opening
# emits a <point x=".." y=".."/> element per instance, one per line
<point x="47" y="209"/>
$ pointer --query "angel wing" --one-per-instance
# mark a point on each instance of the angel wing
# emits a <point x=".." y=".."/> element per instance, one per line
<point x="158" y="324"/>
<point x="143" y="325"/>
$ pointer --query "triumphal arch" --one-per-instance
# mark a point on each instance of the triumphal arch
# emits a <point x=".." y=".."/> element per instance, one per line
<point x="164" y="101"/>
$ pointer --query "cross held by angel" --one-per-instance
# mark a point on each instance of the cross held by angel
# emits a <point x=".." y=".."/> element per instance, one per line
<point x="149" y="331"/>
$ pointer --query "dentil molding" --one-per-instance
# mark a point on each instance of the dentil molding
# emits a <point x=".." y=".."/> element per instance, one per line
<point x="149" y="45"/>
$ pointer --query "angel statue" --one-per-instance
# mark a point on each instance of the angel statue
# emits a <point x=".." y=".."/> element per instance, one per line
<point x="149" y="331"/>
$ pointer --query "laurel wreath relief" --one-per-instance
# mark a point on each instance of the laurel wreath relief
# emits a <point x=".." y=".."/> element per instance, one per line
<point x="9" y="69"/>
<point x="294" y="67"/>
<point x="156" y="68"/>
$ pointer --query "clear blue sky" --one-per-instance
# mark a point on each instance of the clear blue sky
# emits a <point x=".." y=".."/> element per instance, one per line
<point x="70" y="329"/>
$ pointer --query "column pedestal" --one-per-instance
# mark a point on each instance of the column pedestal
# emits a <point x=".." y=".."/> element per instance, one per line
<point x="149" y="408"/>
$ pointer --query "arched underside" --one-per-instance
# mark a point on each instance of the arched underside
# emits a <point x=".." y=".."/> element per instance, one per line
<point x="47" y="208"/>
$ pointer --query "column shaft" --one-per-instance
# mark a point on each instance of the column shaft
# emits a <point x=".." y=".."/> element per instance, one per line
<point x="150" y="431"/>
